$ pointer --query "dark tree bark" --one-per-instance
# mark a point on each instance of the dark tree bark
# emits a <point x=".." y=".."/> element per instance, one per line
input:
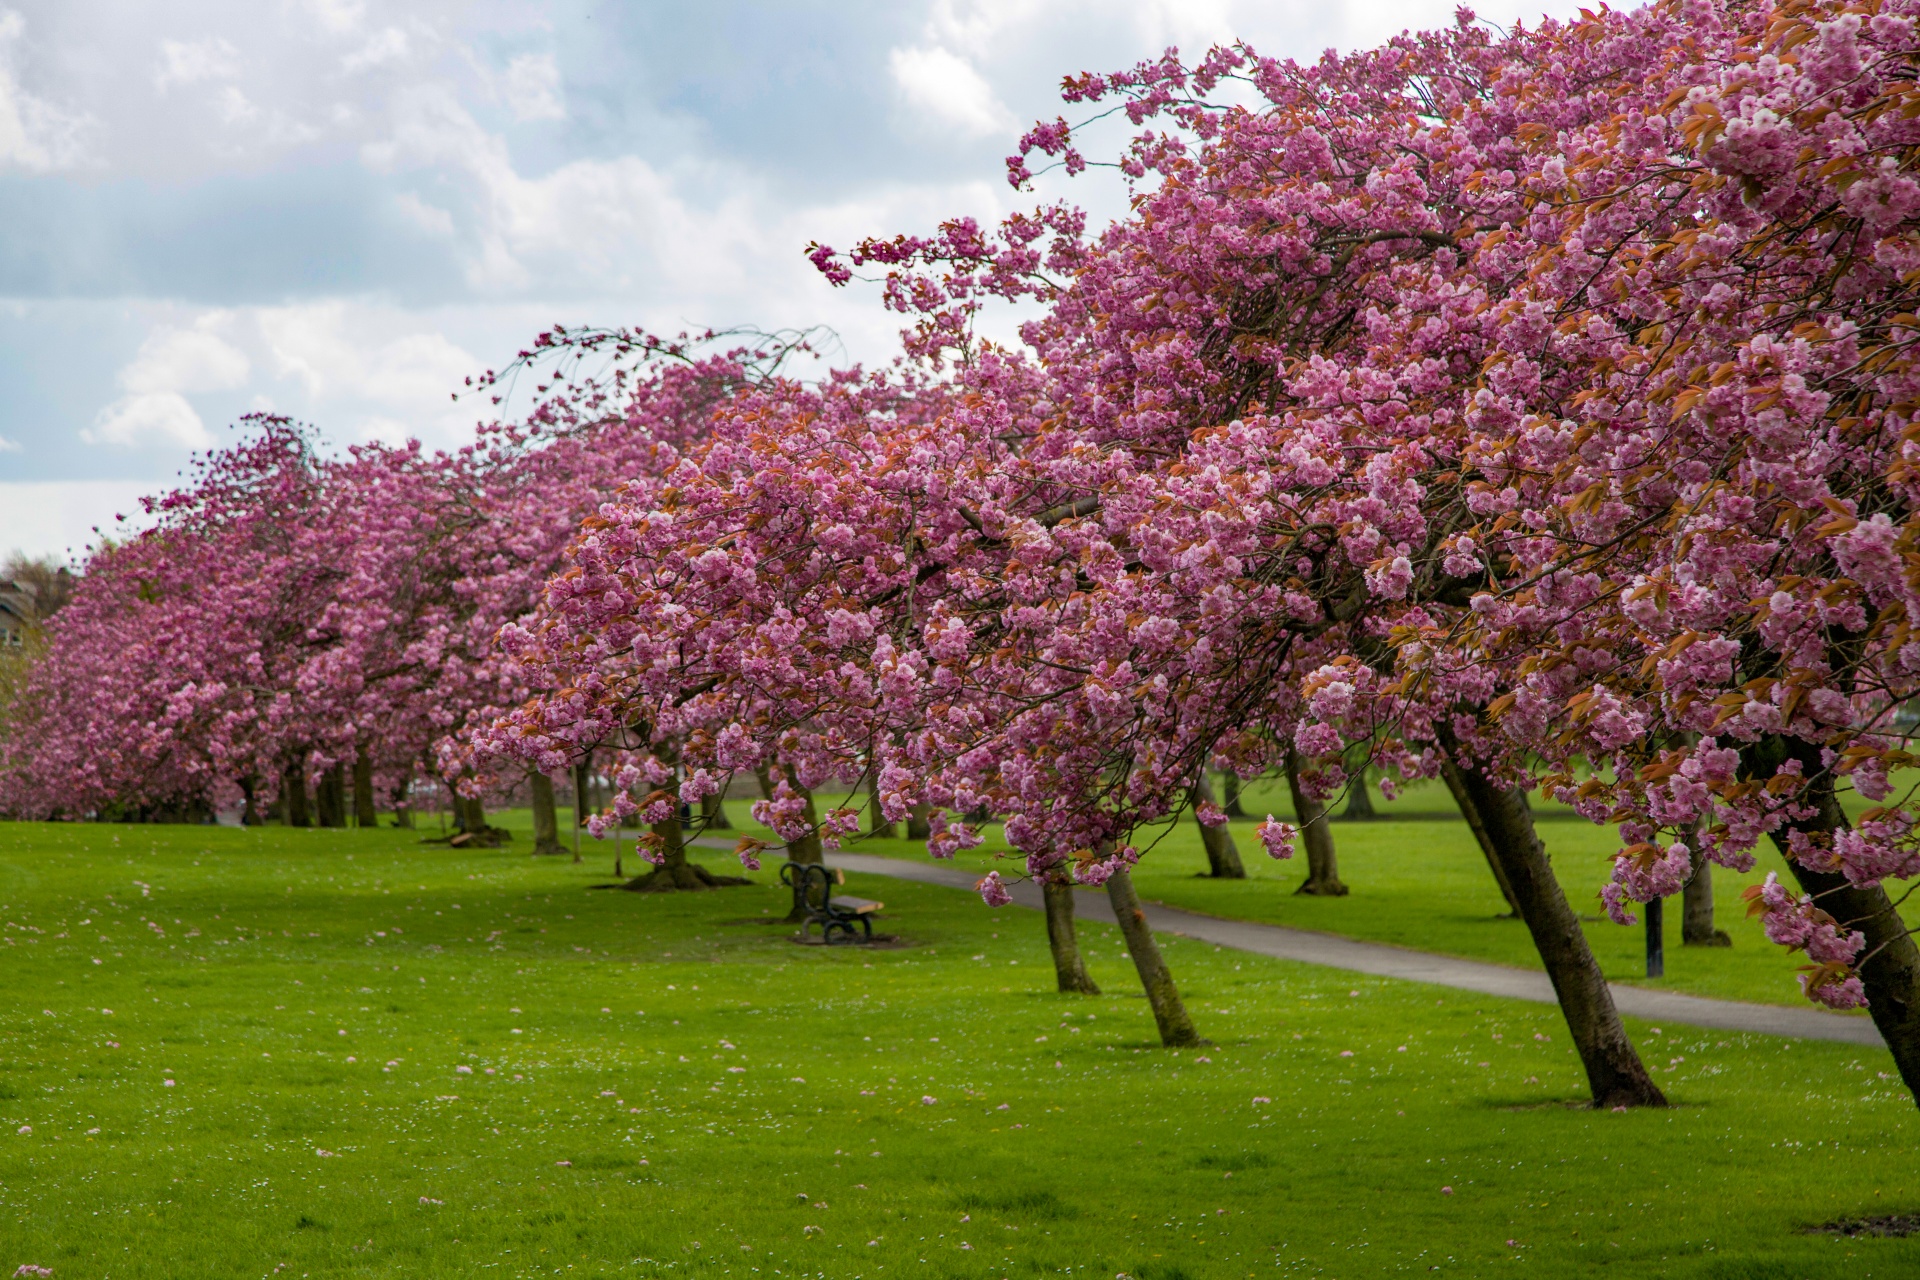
<point x="1696" y="908"/>
<point x="1230" y="795"/>
<point x="249" y="811"/>
<point x="1323" y="867"/>
<point x="1068" y="968"/>
<point x="364" y="815"/>
<point x="1890" y="967"/>
<point x="1451" y="772"/>
<point x="675" y="872"/>
<point x="920" y="822"/>
<point x="293" y="796"/>
<point x="713" y="813"/>
<point x="1359" y="795"/>
<point x="1615" y="1075"/>
<point x="331" y="797"/>
<point x="546" y="815"/>
<point x="582" y="786"/>
<point x="1169" y="1012"/>
<point x="877" y="823"/>
<point x="1223" y="859"/>
<point x="805" y="849"/>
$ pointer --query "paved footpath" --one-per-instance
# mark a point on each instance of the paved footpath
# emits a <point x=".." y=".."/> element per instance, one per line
<point x="1385" y="961"/>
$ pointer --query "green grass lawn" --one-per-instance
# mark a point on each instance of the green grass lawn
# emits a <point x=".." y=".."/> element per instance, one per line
<point x="1418" y="879"/>
<point x="299" y="1053"/>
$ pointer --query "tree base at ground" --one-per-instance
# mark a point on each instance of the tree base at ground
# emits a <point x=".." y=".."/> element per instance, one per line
<point x="480" y="838"/>
<point x="1322" y="888"/>
<point x="672" y="879"/>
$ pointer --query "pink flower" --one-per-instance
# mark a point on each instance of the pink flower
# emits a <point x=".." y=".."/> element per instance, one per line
<point x="1277" y="837"/>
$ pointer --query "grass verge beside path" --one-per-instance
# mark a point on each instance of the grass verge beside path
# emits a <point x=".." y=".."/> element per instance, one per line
<point x="1421" y="881"/>
<point x="251" y="1053"/>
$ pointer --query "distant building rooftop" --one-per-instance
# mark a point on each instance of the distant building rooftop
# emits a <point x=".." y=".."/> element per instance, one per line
<point x="16" y="613"/>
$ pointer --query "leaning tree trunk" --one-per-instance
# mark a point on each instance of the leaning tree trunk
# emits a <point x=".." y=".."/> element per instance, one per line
<point x="1359" y="795"/>
<point x="878" y="824"/>
<point x="1323" y="868"/>
<point x="1890" y="971"/>
<point x="1068" y="968"/>
<point x="293" y="796"/>
<point x="546" y="816"/>
<point x="1615" y="1075"/>
<point x="1223" y="859"/>
<point x="364" y="814"/>
<point x="1176" y="1028"/>
<point x="1696" y="908"/>
<point x="713" y="813"/>
<point x="920" y="822"/>
<point x="1230" y="795"/>
<point x="1451" y="772"/>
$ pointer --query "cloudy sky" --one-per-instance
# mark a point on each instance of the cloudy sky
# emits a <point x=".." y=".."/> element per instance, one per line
<point x="339" y="209"/>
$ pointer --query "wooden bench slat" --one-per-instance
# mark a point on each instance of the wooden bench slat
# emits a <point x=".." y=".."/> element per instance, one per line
<point x="859" y="906"/>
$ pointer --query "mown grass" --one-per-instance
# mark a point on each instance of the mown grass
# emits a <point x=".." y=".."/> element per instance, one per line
<point x="1417" y="879"/>
<point x="668" y="1086"/>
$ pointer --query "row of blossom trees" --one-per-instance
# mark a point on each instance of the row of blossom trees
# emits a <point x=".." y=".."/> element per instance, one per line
<point x="294" y="618"/>
<point x="1533" y="409"/>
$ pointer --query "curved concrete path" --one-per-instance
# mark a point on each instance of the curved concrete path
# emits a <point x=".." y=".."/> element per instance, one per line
<point x="1385" y="961"/>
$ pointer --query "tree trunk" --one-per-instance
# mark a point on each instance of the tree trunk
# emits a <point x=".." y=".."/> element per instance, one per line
<point x="920" y="822"/>
<point x="249" y="811"/>
<point x="1176" y="1029"/>
<point x="713" y="813"/>
<point x="1323" y="868"/>
<point x="1068" y="968"/>
<point x="476" y="816"/>
<point x="331" y="797"/>
<point x="1451" y="772"/>
<point x="675" y="872"/>
<point x="1615" y="1075"/>
<point x="805" y="849"/>
<point x="1223" y="859"/>
<point x="1696" y="908"/>
<point x="364" y="814"/>
<point x="293" y="795"/>
<point x="1230" y="793"/>
<point x="403" y="817"/>
<point x="582" y="784"/>
<point x="1359" y="795"/>
<point x="1890" y="970"/>
<point x="546" y="817"/>
<point x="878" y="824"/>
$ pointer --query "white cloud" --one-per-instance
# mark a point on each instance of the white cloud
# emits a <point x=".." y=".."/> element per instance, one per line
<point x="945" y="86"/>
<point x="171" y="361"/>
<point x="388" y="45"/>
<point x="533" y="88"/>
<point x="162" y="417"/>
<point x="191" y="61"/>
<point x="349" y="355"/>
<point x="11" y="446"/>
<point x="338" y="15"/>
<point x="429" y="218"/>
<point x="56" y="517"/>
<point x="195" y="359"/>
<point x="34" y="133"/>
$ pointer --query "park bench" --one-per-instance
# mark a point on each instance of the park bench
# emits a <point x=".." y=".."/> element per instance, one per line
<point x="813" y="885"/>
